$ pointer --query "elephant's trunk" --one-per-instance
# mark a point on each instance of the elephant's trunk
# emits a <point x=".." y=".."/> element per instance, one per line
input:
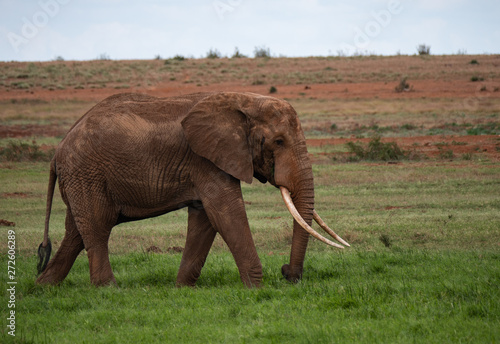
<point x="306" y="226"/>
<point x="297" y="188"/>
<point x="303" y="203"/>
<point x="300" y="203"/>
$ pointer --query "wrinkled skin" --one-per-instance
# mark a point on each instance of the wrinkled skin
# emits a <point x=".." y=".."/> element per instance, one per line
<point x="133" y="156"/>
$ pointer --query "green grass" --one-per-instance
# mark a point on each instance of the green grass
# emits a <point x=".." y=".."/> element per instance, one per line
<point x="41" y="112"/>
<point x="57" y="75"/>
<point x="491" y="128"/>
<point x="423" y="267"/>
<point x="436" y="283"/>
<point x="381" y="296"/>
<point x="394" y="117"/>
<point x="319" y="118"/>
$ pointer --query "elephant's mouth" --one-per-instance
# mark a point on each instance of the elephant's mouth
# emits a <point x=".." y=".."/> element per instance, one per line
<point x="260" y="177"/>
<point x="293" y="210"/>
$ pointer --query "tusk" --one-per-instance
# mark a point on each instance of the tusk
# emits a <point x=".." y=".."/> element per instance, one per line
<point x="291" y="208"/>
<point x="327" y="229"/>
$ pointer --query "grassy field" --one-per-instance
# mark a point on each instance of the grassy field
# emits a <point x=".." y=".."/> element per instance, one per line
<point x="424" y="262"/>
<point x="424" y="266"/>
<point x="123" y="75"/>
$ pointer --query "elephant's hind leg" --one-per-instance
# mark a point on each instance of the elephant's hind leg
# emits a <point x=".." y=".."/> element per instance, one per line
<point x="200" y="237"/>
<point x="96" y="244"/>
<point x="100" y="267"/>
<point x="94" y="219"/>
<point x="59" y="266"/>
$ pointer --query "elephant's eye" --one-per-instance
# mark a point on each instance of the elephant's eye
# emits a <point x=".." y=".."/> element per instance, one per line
<point x="279" y="142"/>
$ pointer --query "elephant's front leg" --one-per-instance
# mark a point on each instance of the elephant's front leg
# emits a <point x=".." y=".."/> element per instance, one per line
<point x="200" y="237"/>
<point x="224" y="206"/>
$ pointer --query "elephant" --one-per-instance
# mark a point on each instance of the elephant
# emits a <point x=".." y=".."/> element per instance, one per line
<point x="134" y="156"/>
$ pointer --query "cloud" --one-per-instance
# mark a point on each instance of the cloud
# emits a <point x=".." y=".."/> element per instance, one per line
<point x="439" y="4"/>
<point x="116" y="40"/>
<point x="129" y="29"/>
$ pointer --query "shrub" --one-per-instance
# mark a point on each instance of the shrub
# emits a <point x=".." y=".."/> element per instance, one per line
<point x="403" y="86"/>
<point x="474" y="62"/>
<point x="377" y="150"/>
<point x="386" y="240"/>
<point x="20" y="85"/>
<point x="213" y="54"/>
<point x="178" y="58"/>
<point x="467" y="156"/>
<point x="262" y="52"/>
<point x="103" y="57"/>
<point x="446" y="154"/>
<point x="273" y="89"/>
<point x="491" y="128"/>
<point x="475" y="78"/>
<point x="423" y="49"/>
<point x="408" y="126"/>
<point x="24" y="151"/>
<point x="237" y="54"/>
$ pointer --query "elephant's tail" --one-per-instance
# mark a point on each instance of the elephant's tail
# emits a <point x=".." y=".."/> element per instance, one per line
<point x="45" y="247"/>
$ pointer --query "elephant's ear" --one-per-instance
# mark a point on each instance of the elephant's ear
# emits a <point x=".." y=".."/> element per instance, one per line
<point x="217" y="129"/>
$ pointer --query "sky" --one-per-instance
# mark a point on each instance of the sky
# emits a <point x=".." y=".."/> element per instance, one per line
<point x="43" y="30"/>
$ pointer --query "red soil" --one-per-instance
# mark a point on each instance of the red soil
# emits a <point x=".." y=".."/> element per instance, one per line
<point x="429" y="85"/>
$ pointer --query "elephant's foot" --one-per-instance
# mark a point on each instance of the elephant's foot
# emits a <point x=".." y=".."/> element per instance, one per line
<point x="292" y="274"/>
<point x="102" y="278"/>
<point x="255" y="283"/>
<point x="48" y="277"/>
<point x="100" y="268"/>
<point x="252" y="278"/>
<point x="59" y="266"/>
<point x="187" y="279"/>
<point x="182" y="284"/>
<point x="102" y="282"/>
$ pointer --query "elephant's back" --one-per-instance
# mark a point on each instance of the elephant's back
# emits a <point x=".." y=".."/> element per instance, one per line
<point x="133" y="115"/>
<point x="149" y="108"/>
<point x="127" y="125"/>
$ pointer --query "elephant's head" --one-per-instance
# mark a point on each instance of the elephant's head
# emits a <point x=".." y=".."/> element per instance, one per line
<point x="249" y="135"/>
